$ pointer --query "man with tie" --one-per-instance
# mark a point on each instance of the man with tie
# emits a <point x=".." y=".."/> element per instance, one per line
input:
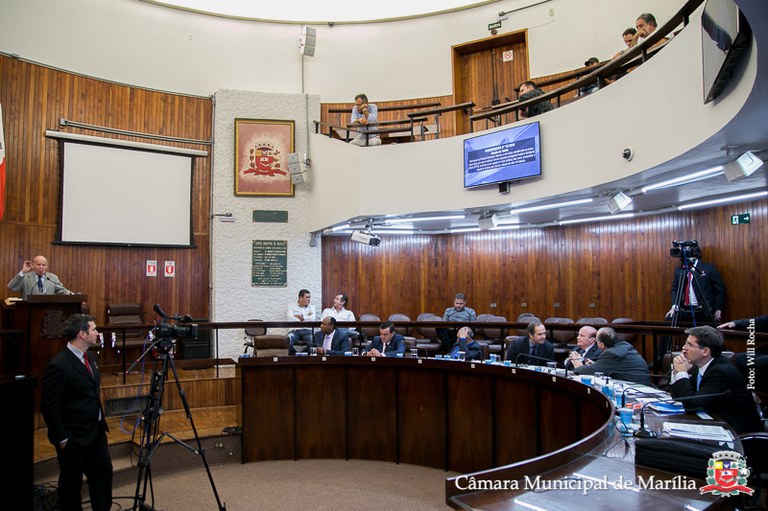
<point x="618" y="359"/>
<point x="35" y="279"/>
<point x="329" y="340"/>
<point x="387" y="343"/>
<point x="536" y="345"/>
<point x="702" y="297"/>
<point x="75" y="418"/>
<point x="588" y="348"/>
<point x="711" y="373"/>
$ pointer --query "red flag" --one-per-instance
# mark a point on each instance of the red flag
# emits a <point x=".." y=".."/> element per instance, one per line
<point x="2" y="165"/>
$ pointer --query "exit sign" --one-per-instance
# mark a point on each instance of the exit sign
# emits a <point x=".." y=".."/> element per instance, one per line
<point x="740" y="219"/>
<point x="492" y="26"/>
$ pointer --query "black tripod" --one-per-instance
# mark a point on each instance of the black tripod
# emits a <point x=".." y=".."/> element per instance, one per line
<point x="703" y="310"/>
<point x="150" y="437"/>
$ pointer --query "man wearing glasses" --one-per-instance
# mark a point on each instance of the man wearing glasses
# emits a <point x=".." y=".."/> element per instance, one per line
<point x="701" y="370"/>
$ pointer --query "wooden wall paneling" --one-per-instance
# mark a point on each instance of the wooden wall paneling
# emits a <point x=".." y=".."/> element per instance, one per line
<point x="34" y="98"/>
<point x="559" y="425"/>
<point x="269" y="435"/>
<point x="421" y="418"/>
<point x="470" y="422"/>
<point x="372" y="414"/>
<point x="622" y="267"/>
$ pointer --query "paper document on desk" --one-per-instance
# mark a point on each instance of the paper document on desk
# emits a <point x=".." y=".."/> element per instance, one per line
<point x="697" y="431"/>
<point x="667" y="408"/>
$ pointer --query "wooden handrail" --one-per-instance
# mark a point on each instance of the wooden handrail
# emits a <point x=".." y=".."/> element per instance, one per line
<point x="388" y="108"/>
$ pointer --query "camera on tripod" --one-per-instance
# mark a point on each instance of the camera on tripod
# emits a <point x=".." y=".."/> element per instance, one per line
<point x="166" y="332"/>
<point x="685" y="250"/>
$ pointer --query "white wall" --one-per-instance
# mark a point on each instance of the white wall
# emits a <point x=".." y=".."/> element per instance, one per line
<point x="233" y="297"/>
<point x="142" y="44"/>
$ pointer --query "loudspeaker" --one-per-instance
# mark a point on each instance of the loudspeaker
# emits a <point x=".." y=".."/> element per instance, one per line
<point x="744" y="166"/>
<point x="300" y="178"/>
<point x="488" y="223"/>
<point x="308" y="41"/>
<point x="619" y="202"/>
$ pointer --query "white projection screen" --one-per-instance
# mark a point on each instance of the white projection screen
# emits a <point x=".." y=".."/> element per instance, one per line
<point x="121" y="196"/>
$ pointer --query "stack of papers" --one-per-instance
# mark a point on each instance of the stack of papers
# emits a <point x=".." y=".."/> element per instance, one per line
<point x="667" y="408"/>
<point x="697" y="431"/>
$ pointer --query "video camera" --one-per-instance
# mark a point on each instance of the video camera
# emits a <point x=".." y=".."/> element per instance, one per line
<point x="685" y="250"/>
<point x="167" y="332"/>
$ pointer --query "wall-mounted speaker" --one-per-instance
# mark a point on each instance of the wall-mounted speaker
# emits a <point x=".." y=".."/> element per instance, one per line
<point x="743" y="166"/>
<point x="308" y="41"/>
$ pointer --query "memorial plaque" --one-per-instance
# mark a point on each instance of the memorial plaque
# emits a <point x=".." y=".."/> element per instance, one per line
<point x="269" y="266"/>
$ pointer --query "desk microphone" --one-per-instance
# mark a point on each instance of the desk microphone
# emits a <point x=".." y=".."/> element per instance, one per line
<point x="57" y="285"/>
<point x="517" y="359"/>
<point x="644" y="433"/>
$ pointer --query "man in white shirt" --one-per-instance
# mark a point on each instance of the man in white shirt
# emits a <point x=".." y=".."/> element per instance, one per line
<point x="340" y="313"/>
<point x="302" y="310"/>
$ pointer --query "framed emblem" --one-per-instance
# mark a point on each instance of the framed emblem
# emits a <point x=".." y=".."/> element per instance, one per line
<point x="261" y="157"/>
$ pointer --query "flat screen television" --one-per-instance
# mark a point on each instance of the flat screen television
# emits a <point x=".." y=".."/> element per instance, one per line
<point x="502" y="156"/>
<point x="725" y="36"/>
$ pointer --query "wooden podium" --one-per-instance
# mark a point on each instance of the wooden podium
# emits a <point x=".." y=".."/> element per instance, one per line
<point x="41" y="319"/>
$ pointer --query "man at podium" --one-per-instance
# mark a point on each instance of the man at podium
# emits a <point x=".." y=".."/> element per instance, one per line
<point x="35" y="279"/>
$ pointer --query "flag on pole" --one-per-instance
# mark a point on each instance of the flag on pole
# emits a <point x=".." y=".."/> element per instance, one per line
<point x="2" y="165"/>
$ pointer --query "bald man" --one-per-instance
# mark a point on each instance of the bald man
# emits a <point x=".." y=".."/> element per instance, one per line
<point x="588" y="348"/>
<point x="35" y="279"/>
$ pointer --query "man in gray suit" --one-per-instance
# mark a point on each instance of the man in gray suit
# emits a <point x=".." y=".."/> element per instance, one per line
<point x="35" y="279"/>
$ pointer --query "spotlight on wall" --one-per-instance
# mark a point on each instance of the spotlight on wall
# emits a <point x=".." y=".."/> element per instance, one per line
<point x="488" y="222"/>
<point x="619" y="202"/>
<point x="743" y="166"/>
<point x="366" y="238"/>
<point x="298" y="168"/>
<point x="308" y="41"/>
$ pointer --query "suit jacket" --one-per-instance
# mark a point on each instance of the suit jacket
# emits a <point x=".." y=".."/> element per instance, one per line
<point x="709" y="288"/>
<point x="738" y="409"/>
<point x="472" y="349"/>
<point x="70" y="400"/>
<point x="592" y="353"/>
<point x="339" y="342"/>
<point x="761" y="323"/>
<point x="396" y="345"/>
<point x="518" y="346"/>
<point x="621" y="362"/>
<point x="27" y="284"/>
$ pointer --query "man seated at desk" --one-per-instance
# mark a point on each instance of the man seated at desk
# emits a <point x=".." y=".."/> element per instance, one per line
<point x="533" y="350"/>
<point x="387" y="343"/>
<point x="466" y="343"/>
<point x="329" y="340"/>
<point x="618" y="360"/>
<point x="710" y="373"/>
<point x="35" y="279"/>
<point x="588" y="348"/>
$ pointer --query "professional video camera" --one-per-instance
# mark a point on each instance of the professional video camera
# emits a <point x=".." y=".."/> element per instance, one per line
<point x="167" y="332"/>
<point x="685" y="250"/>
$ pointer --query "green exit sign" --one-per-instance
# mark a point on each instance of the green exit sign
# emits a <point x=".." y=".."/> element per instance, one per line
<point x="740" y="219"/>
<point x="491" y="26"/>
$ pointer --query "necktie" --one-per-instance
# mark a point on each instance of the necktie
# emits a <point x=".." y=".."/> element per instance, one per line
<point x="384" y="347"/>
<point x="88" y="365"/>
<point x="688" y="289"/>
<point x="40" y="283"/>
<point x="327" y="343"/>
<point x="535" y="350"/>
<point x="698" y="381"/>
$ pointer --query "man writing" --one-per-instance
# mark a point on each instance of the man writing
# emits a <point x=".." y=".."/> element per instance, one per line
<point x="35" y="279"/>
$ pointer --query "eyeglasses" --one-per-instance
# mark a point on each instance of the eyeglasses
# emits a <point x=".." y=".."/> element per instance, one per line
<point x="689" y="345"/>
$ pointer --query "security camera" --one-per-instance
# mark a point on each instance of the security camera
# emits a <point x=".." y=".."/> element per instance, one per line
<point x="365" y="238"/>
<point x="627" y="154"/>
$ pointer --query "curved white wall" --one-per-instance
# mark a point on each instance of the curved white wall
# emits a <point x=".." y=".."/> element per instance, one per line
<point x="581" y="144"/>
<point x="142" y="44"/>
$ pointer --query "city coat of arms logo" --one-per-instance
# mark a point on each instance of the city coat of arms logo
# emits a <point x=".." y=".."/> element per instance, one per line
<point x="727" y="475"/>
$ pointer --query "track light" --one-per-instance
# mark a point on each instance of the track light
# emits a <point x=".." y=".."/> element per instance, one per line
<point x="683" y="180"/>
<point x="743" y="166"/>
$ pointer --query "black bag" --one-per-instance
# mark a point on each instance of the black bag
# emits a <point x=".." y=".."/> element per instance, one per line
<point x="676" y="455"/>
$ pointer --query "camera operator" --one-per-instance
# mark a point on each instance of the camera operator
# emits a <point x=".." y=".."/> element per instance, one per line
<point x="703" y="295"/>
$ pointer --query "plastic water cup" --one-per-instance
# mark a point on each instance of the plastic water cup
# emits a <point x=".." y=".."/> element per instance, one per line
<point x="355" y="352"/>
<point x="552" y="366"/>
<point x="414" y="353"/>
<point x="313" y="351"/>
<point x="625" y="415"/>
<point x="462" y="356"/>
<point x="586" y="380"/>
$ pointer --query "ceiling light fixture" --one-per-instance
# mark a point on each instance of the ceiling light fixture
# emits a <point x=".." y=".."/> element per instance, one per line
<point x="543" y="207"/>
<point x="723" y="200"/>
<point x="682" y="180"/>
<point x="596" y="219"/>
<point x="424" y="219"/>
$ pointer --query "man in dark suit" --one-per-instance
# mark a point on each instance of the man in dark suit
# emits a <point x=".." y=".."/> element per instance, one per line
<point x="588" y="348"/>
<point x="710" y="373"/>
<point x="75" y="418"/>
<point x="35" y="279"/>
<point x="702" y="296"/>
<point x="387" y="343"/>
<point x="466" y="343"/>
<point x="536" y="345"/>
<point x="618" y="360"/>
<point x="329" y="340"/>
